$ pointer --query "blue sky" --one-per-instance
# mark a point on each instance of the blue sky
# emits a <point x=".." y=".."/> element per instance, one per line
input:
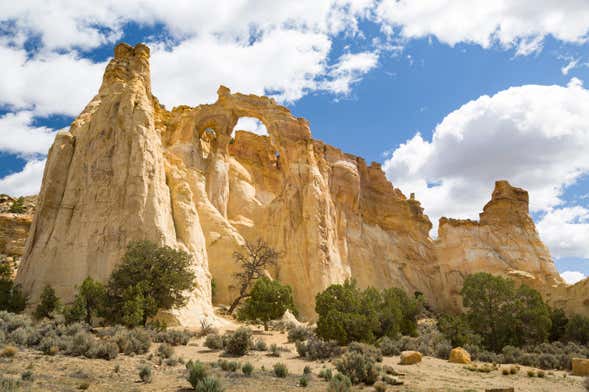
<point x="448" y="95"/>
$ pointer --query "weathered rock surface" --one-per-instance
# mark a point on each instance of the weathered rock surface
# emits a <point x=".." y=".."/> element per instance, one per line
<point x="410" y="357"/>
<point x="128" y="169"/>
<point x="459" y="355"/>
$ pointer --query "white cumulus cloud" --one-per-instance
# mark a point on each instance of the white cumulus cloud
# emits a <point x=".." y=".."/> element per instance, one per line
<point x="522" y="24"/>
<point x="18" y="136"/>
<point x="572" y="277"/>
<point x="26" y="182"/>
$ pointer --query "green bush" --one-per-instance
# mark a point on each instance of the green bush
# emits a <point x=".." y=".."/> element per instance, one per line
<point x="48" y="304"/>
<point x="389" y="347"/>
<point x="339" y="383"/>
<point x="88" y="304"/>
<point x="304" y="382"/>
<point x="145" y="374"/>
<point x="297" y="334"/>
<point x="165" y="350"/>
<point x="307" y="370"/>
<point x="274" y="350"/>
<point x="577" y="329"/>
<point x="149" y="278"/>
<point x="247" y="369"/>
<point x="268" y="300"/>
<point x="260" y="345"/>
<point x="502" y="314"/>
<point x="18" y="206"/>
<point x="214" y="341"/>
<point x="174" y="337"/>
<point x="315" y="348"/>
<point x="209" y="384"/>
<point x="366" y="349"/>
<point x="239" y="342"/>
<point x="12" y="298"/>
<point x="325" y="374"/>
<point x="196" y="372"/>
<point x="134" y="341"/>
<point x="280" y="370"/>
<point x="104" y="350"/>
<point x="359" y="367"/>
<point x="348" y="314"/>
<point x="27" y="375"/>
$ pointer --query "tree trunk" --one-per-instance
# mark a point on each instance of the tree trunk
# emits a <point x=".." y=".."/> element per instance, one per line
<point x="234" y="304"/>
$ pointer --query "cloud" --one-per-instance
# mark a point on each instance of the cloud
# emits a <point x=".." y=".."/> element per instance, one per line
<point x="349" y="69"/>
<point x="47" y="84"/>
<point x="250" y="124"/>
<point x="18" y="135"/>
<point x="534" y="136"/>
<point x="518" y="24"/>
<point x="570" y="65"/>
<point x="572" y="277"/>
<point x="566" y="231"/>
<point x="26" y="182"/>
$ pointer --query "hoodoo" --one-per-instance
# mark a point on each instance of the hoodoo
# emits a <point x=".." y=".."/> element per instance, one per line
<point x="128" y="169"/>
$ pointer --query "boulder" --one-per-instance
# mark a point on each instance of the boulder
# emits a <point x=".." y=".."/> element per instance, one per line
<point x="580" y="367"/>
<point x="459" y="355"/>
<point x="410" y="357"/>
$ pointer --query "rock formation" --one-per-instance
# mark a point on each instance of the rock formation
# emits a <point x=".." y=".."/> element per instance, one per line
<point x="128" y="169"/>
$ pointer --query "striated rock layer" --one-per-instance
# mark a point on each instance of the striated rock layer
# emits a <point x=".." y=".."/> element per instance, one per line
<point x="128" y="169"/>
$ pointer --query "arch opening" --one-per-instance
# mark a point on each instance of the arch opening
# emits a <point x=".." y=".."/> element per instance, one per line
<point x="250" y="124"/>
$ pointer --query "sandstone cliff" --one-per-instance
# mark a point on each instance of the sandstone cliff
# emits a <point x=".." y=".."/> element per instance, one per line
<point x="129" y="169"/>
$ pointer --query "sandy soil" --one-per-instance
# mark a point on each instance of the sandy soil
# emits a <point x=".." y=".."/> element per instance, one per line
<point x="61" y="373"/>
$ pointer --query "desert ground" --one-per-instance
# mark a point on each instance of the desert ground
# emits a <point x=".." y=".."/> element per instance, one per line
<point x="64" y="373"/>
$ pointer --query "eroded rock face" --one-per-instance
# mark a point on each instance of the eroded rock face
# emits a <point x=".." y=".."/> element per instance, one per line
<point x="128" y="169"/>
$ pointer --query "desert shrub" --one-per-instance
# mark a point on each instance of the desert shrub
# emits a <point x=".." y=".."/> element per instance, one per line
<point x="27" y="375"/>
<point x="274" y="350"/>
<point x="366" y="349"/>
<point x="213" y="341"/>
<point x="81" y="344"/>
<point x="548" y="361"/>
<point x="541" y="373"/>
<point x="268" y="300"/>
<point x="339" y="383"/>
<point x="145" y="374"/>
<point x="50" y="346"/>
<point x="280" y="370"/>
<point x="389" y="347"/>
<point x="260" y="345"/>
<point x="8" y="352"/>
<point x="149" y="278"/>
<point x="531" y="373"/>
<point x="306" y="370"/>
<point x="247" y="369"/>
<point x="104" y="350"/>
<point x="505" y="371"/>
<point x="48" y="304"/>
<point x="173" y="361"/>
<point x="135" y="341"/>
<point x="18" y="206"/>
<point x="12" y="297"/>
<point x="174" y="337"/>
<point x="304" y="382"/>
<point x="512" y="354"/>
<point x="196" y="372"/>
<point x="358" y="367"/>
<point x="209" y="384"/>
<point x="299" y="333"/>
<point x="9" y="385"/>
<point x="206" y="328"/>
<point x="503" y="314"/>
<point x="443" y="350"/>
<point x="380" y="386"/>
<point x="325" y="374"/>
<point x="315" y="348"/>
<point x="165" y="350"/>
<point x="489" y="356"/>
<point x="239" y="342"/>
<point x="20" y="336"/>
